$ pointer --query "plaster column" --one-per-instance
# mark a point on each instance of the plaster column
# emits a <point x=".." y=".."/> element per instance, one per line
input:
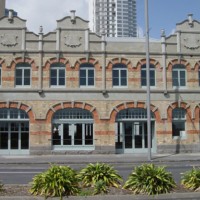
<point x="163" y="43"/>
<point x="87" y="40"/>
<point x="23" y="47"/>
<point x="40" y="48"/>
<point x="103" y="49"/>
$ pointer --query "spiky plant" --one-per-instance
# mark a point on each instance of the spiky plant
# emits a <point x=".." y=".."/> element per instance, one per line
<point x="57" y="181"/>
<point x="191" y="179"/>
<point x="149" y="179"/>
<point x="93" y="173"/>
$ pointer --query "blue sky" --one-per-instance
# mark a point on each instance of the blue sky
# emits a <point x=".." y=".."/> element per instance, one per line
<point x="163" y="14"/>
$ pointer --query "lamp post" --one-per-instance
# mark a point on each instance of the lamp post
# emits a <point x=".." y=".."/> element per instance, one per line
<point x="148" y="80"/>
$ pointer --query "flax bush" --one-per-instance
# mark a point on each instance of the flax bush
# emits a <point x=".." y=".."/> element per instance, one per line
<point x="100" y="176"/>
<point x="191" y="179"/>
<point x="57" y="181"/>
<point x="149" y="179"/>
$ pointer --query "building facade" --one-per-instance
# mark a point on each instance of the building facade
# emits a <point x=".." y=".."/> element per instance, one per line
<point x="117" y="18"/>
<point x="73" y="91"/>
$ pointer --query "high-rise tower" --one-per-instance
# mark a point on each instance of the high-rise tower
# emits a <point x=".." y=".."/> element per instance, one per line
<point x="2" y="8"/>
<point x="117" y="18"/>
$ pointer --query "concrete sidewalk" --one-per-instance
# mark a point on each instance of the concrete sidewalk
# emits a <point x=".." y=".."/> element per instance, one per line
<point x="93" y="158"/>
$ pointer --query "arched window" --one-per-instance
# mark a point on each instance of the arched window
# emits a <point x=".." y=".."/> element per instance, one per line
<point x="57" y="74"/>
<point x="87" y="75"/>
<point x="144" y="75"/>
<point x="179" y="75"/>
<point x="23" y="74"/>
<point x="131" y="130"/>
<point x="119" y="74"/>
<point x="178" y="123"/>
<point x="73" y="129"/>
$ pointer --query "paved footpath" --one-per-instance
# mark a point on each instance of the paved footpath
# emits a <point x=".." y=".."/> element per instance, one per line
<point x="93" y="158"/>
<point x="106" y="158"/>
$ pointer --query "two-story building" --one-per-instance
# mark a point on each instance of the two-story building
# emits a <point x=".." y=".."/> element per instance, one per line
<point x="73" y="91"/>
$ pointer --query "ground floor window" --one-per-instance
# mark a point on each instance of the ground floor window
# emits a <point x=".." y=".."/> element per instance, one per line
<point x="72" y="128"/>
<point x="73" y="134"/>
<point x="14" y="131"/>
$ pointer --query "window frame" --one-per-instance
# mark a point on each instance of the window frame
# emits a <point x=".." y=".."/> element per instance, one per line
<point x="152" y="68"/>
<point x="23" y="67"/>
<point x="58" y="67"/>
<point x="179" y="118"/>
<point x="119" y="67"/>
<point x="179" y="68"/>
<point x="86" y="67"/>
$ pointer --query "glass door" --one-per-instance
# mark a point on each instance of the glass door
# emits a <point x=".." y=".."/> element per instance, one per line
<point x="128" y="135"/>
<point x="135" y="137"/>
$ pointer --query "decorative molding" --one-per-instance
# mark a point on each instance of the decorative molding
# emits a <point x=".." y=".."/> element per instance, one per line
<point x="191" y="42"/>
<point x="73" y="41"/>
<point x="115" y="109"/>
<point x="9" y="40"/>
<point x="93" y="108"/>
<point x="28" y="109"/>
<point x="52" y="109"/>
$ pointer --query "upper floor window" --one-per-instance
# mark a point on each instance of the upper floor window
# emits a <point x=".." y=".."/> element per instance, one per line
<point x="119" y="73"/>
<point x="23" y="74"/>
<point x="86" y="75"/>
<point x="179" y="75"/>
<point x="0" y="74"/>
<point x="57" y="74"/>
<point x="144" y="75"/>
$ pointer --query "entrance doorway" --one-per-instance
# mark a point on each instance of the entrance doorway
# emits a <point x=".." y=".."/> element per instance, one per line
<point x="131" y="134"/>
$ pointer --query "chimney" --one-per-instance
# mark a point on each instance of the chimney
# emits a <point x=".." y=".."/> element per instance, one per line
<point x="10" y="15"/>
<point x="2" y="8"/>
<point x="73" y="16"/>
<point x="190" y="20"/>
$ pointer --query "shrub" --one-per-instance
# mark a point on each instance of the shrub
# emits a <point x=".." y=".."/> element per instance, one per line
<point x="1" y="187"/>
<point x="57" y="181"/>
<point x="191" y="179"/>
<point x="149" y="179"/>
<point x="100" y="187"/>
<point x="99" y="174"/>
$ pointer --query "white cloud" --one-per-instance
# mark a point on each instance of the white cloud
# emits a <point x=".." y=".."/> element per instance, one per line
<point x="46" y="12"/>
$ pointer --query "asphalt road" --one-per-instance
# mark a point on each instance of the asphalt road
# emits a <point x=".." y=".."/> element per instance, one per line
<point x="23" y="173"/>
